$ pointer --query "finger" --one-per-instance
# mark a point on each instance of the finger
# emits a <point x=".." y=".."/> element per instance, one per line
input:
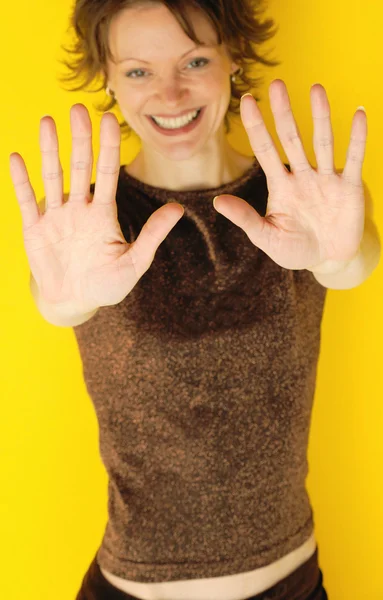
<point x="323" y="139"/>
<point x="258" y="229"/>
<point x="152" y="234"/>
<point x="260" y="139"/>
<point x="82" y="154"/>
<point x="51" y="167"/>
<point x="25" y="194"/>
<point x="108" y="164"/>
<point x="357" y="149"/>
<point x="287" y="128"/>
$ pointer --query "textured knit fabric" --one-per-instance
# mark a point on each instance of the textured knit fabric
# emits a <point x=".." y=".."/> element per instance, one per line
<point x="203" y="381"/>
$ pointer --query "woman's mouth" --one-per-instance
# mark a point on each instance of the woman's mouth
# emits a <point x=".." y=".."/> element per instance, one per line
<point x="176" y="127"/>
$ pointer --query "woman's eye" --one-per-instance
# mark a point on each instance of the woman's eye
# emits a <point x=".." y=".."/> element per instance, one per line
<point x="199" y="60"/>
<point x="196" y="60"/>
<point x="135" y="71"/>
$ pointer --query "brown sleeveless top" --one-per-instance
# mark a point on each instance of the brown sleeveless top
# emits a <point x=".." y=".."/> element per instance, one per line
<point x="203" y="381"/>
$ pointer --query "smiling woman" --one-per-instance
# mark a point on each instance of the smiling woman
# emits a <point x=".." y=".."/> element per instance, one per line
<point x="195" y="280"/>
<point x="164" y="60"/>
<point x="203" y="405"/>
<point x="236" y="23"/>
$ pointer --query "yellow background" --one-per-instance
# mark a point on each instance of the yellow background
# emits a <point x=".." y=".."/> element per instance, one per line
<point x="53" y="485"/>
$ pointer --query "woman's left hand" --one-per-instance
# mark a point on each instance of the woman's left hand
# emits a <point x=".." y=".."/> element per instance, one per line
<point x="313" y="215"/>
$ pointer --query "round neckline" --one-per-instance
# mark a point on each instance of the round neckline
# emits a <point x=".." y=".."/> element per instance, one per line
<point x="164" y="193"/>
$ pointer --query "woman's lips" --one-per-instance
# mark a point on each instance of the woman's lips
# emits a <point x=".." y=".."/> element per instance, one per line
<point x="181" y="130"/>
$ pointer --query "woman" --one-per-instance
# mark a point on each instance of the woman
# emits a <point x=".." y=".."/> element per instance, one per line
<point x="199" y="332"/>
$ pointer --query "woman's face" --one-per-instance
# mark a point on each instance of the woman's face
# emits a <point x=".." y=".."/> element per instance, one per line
<point x="159" y="71"/>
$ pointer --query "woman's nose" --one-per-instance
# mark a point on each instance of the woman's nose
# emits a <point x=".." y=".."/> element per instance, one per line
<point x="172" y="91"/>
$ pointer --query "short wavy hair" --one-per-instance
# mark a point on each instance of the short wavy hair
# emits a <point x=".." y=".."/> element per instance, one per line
<point x="236" y="22"/>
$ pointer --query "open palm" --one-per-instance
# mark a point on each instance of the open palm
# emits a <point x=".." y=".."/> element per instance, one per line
<point x="313" y="215"/>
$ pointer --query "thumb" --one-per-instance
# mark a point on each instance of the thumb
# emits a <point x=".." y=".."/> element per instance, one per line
<point x="152" y="234"/>
<point x="246" y="217"/>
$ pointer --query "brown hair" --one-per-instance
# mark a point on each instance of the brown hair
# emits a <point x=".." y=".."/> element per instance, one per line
<point x="236" y="23"/>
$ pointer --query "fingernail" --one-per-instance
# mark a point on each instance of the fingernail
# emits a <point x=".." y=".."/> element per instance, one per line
<point x="248" y="94"/>
<point x="361" y="108"/>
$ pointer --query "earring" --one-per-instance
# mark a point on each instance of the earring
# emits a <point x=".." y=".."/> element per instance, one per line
<point x="237" y="73"/>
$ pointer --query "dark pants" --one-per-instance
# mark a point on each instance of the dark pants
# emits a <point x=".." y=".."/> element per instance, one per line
<point x="306" y="583"/>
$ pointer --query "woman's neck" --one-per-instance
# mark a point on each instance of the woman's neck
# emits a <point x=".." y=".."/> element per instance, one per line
<point x="194" y="174"/>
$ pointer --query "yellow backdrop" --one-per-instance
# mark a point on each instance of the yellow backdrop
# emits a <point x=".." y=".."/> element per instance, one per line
<point x="53" y="495"/>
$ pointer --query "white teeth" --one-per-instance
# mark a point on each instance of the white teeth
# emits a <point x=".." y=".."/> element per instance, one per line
<point x="176" y="123"/>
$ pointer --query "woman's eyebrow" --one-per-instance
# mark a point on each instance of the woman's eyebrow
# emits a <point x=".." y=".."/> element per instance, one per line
<point x="188" y="52"/>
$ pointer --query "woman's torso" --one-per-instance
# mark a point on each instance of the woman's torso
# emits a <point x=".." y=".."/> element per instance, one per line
<point x="230" y="587"/>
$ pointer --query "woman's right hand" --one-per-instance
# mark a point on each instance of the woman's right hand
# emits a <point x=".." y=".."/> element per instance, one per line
<point x="77" y="253"/>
